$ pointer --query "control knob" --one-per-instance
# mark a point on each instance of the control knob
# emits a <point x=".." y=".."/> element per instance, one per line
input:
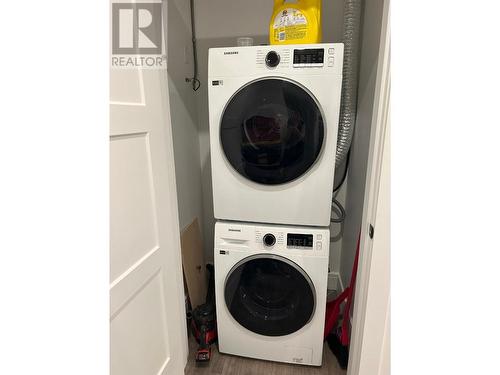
<point x="269" y="239"/>
<point x="272" y="59"/>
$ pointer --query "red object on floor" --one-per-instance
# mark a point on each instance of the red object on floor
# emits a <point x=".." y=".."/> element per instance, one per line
<point x="332" y="311"/>
<point x="210" y="335"/>
<point x="333" y="307"/>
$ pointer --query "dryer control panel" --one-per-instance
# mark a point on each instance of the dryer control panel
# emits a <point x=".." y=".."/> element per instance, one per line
<point x="297" y="59"/>
<point x="308" y="57"/>
<point x="300" y="57"/>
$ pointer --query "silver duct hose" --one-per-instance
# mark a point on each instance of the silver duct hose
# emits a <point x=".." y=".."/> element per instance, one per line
<point x="352" y="20"/>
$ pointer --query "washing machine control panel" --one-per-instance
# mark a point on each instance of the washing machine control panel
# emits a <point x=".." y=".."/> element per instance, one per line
<point x="271" y="238"/>
<point x="289" y="240"/>
<point x="299" y="240"/>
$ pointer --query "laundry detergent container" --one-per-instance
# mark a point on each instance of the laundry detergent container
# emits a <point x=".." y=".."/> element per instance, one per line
<point x="295" y="22"/>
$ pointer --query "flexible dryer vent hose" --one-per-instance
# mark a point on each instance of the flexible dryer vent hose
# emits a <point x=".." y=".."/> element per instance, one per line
<point x="352" y="20"/>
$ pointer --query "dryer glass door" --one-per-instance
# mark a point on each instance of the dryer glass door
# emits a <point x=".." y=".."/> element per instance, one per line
<point x="272" y="131"/>
<point x="269" y="295"/>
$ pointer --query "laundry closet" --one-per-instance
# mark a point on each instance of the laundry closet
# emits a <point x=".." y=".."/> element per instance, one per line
<point x="194" y="87"/>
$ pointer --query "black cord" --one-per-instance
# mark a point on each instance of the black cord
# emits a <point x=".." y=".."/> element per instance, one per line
<point x="195" y="81"/>
<point x="335" y="202"/>
<point x="196" y="84"/>
<point x="341" y="218"/>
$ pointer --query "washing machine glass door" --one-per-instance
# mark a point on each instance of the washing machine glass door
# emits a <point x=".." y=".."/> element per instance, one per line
<point x="269" y="295"/>
<point x="272" y="131"/>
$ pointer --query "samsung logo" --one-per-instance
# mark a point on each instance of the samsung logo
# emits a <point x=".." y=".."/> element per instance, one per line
<point x="231" y="53"/>
<point x="234" y="230"/>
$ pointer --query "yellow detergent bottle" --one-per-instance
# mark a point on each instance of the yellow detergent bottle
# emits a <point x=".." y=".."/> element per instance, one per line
<point x="295" y="22"/>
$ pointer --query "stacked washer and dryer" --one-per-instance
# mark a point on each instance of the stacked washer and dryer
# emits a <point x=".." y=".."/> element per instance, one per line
<point x="274" y="113"/>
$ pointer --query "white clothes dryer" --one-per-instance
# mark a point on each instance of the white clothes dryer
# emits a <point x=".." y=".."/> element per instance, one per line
<point x="274" y="113"/>
<point x="270" y="289"/>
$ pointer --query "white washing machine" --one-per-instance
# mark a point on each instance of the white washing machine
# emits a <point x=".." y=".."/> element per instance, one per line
<point x="274" y="113"/>
<point x="270" y="288"/>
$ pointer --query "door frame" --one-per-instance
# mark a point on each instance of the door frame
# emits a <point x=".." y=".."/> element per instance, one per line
<point x="174" y="209"/>
<point x="361" y="329"/>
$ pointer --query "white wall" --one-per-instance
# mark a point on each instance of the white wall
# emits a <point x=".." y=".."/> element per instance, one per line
<point x="184" y="113"/>
<point x="370" y="41"/>
<point x="219" y="23"/>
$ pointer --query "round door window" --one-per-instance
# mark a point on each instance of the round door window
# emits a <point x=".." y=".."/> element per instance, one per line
<point x="269" y="295"/>
<point x="272" y="131"/>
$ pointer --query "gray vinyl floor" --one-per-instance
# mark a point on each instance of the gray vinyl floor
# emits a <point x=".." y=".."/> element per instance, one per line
<point x="224" y="364"/>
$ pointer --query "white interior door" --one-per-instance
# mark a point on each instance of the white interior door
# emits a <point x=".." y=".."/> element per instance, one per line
<point x="147" y="312"/>
<point x="370" y="336"/>
<point x="372" y="339"/>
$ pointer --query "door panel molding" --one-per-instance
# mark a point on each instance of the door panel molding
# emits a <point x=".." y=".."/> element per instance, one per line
<point x="131" y="281"/>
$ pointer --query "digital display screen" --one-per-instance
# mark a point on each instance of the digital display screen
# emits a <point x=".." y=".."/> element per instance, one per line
<point x="299" y="240"/>
<point x="308" y="56"/>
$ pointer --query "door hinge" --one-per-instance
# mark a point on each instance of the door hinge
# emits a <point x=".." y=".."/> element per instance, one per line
<point x="371" y="231"/>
